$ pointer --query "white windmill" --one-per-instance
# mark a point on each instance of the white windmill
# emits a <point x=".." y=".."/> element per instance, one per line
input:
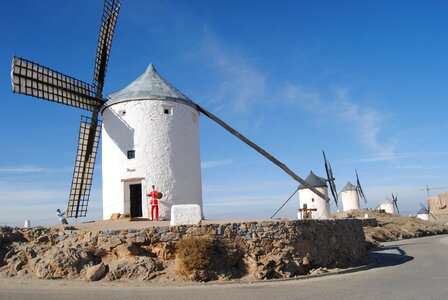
<point x="150" y="133"/>
<point x="150" y="136"/>
<point x="390" y="206"/>
<point x="424" y="213"/>
<point x="351" y="194"/>
<point x="320" y="204"/>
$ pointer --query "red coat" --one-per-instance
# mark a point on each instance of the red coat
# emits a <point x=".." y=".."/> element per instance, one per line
<point x="153" y="195"/>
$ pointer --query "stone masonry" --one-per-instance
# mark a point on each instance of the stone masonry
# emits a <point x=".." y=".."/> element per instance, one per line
<point x="260" y="250"/>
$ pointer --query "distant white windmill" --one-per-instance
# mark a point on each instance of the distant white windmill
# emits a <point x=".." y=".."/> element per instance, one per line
<point x="390" y="206"/>
<point x="424" y="213"/>
<point x="321" y="205"/>
<point x="351" y="194"/>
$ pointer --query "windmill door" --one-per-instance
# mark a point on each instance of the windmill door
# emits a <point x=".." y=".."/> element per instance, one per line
<point x="136" y="200"/>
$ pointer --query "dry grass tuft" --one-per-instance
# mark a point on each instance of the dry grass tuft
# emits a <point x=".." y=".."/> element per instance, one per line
<point x="193" y="254"/>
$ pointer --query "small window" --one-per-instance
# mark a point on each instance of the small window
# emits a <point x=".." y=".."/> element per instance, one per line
<point x="167" y="110"/>
<point x="131" y="154"/>
<point x="312" y="199"/>
<point x="122" y="113"/>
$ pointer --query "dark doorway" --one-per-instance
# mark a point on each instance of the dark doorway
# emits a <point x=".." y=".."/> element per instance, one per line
<point x="136" y="200"/>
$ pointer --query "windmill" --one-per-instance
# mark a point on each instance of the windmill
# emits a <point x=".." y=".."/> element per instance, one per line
<point x="149" y="94"/>
<point x="424" y="213"/>
<point x="391" y="205"/>
<point x="32" y="79"/>
<point x="315" y="201"/>
<point x="321" y="204"/>
<point x="351" y="194"/>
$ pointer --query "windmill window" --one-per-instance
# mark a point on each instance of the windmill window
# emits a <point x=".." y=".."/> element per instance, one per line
<point x="131" y="154"/>
<point x="168" y="110"/>
<point x="122" y="112"/>
<point x="312" y="199"/>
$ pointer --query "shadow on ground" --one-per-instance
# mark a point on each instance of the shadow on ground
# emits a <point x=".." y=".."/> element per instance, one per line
<point x="389" y="256"/>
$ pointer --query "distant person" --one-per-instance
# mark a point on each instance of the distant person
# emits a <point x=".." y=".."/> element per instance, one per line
<point x="154" y="203"/>
<point x="61" y="216"/>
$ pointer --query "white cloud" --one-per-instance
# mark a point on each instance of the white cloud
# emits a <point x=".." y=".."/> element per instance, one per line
<point x="365" y="121"/>
<point x="21" y="169"/>
<point x="216" y="163"/>
<point x="240" y="85"/>
<point x="394" y="156"/>
<point x="29" y="169"/>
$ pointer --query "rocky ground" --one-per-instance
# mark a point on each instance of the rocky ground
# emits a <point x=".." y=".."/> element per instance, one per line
<point x="245" y="251"/>
<point x="394" y="227"/>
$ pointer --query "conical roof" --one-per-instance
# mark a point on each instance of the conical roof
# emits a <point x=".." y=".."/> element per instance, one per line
<point x="314" y="181"/>
<point x="149" y="86"/>
<point x="349" y="187"/>
<point x="423" y="211"/>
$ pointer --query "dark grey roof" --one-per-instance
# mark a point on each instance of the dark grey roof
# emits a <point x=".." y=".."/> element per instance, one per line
<point x="349" y="187"/>
<point x="149" y="86"/>
<point x="423" y="211"/>
<point x="314" y="181"/>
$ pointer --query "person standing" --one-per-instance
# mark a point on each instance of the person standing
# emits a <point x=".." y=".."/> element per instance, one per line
<point x="154" y="202"/>
<point x="61" y="215"/>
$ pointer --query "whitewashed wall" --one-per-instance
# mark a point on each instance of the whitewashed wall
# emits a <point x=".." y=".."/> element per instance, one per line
<point x="166" y="154"/>
<point x="322" y="206"/>
<point x="388" y="207"/>
<point x="350" y="200"/>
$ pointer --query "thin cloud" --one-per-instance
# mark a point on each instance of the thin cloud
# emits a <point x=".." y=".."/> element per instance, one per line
<point x="240" y="85"/>
<point x="21" y="169"/>
<point x="216" y="163"/>
<point x="29" y="169"/>
<point x="367" y="122"/>
<point x="393" y="156"/>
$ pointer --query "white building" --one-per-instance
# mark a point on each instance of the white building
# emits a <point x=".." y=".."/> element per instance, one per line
<point x="350" y="197"/>
<point x="388" y="207"/>
<point x="150" y="136"/>
<point x="423" y="214"/>
<point x="312" y="200"/>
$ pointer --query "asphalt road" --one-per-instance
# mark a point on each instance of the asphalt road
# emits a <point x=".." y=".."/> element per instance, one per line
<point x="409" y="269"/>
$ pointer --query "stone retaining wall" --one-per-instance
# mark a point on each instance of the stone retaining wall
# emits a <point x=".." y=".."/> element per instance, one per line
<point x="260" y="250"/>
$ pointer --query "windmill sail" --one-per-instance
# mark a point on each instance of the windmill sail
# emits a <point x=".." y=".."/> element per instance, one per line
<point x="394" y="201"/>
<point x="84" y="165"/>
<point x="89" y="132"/>
<point x="359" y="188"/>
<point x="330" y="179"/>
<point x="109" y="20"/>
<point x="261" y="151"/>
<point x="32" y="79"/>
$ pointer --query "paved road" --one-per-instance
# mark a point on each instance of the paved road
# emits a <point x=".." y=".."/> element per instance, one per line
<point x="409" y="269"/>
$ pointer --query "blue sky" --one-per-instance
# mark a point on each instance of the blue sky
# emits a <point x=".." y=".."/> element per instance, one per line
<point x="363" y="80"/>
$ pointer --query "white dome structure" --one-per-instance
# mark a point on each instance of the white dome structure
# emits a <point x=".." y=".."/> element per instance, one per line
<point x="350" y="197"/>
<point x="312" y="200"/>
<point x="150" y="136"/>
<point x="423" y="214"/>
<point x="388" y="207"/>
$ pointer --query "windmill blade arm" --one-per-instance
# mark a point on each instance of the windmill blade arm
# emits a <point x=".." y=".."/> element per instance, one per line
<point x="89" y="136"/>
<point x="109" y="20"/>
<point x="276" y="212"/>
<point x="32" y="79"/>
<point x="262" y="152"/>
<point x="432" y="215"/>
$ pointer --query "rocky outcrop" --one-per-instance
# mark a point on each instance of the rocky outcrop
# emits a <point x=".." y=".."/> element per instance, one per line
<point x="261" y="250"/>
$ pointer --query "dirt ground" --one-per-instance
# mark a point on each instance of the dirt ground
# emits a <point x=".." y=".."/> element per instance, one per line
<point x="395" y="227"/>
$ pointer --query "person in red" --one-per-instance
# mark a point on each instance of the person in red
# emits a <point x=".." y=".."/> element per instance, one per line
<point x="154" y="202"/>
